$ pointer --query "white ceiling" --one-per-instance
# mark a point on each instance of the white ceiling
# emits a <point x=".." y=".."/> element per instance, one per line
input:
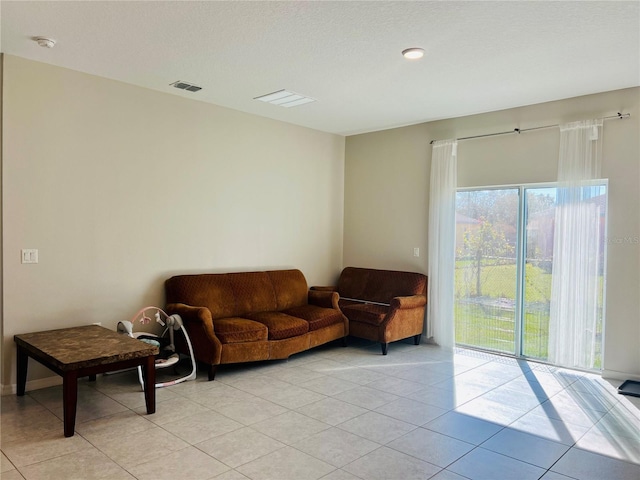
<point x="480" y="56"/>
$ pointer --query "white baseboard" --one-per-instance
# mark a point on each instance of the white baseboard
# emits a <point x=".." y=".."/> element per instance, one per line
<point x="33" y="385"/>
<point x="613" y="374"/>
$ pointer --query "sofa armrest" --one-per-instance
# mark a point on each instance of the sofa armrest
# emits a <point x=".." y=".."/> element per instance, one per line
<point x="192" y="314"/>
<point x="413" y="301"/>
<point x="325" y="288"/>
<point x="324" y="298"/>
<point x="199" y="326"/>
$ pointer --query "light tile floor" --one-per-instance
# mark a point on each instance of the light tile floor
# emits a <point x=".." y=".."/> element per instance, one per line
<point x="336" y="413"/>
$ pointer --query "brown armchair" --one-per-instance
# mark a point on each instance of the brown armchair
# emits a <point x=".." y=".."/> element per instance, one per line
<point x="382" y="305"/>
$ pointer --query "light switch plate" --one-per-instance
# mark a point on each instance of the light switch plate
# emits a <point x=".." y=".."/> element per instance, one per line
<point x="29" y="255"/>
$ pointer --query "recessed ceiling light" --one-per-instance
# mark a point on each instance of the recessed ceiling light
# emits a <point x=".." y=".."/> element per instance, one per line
<point x="285" y="98"/>
<point x="45" y="42"/>
<point x="413" y="53"/>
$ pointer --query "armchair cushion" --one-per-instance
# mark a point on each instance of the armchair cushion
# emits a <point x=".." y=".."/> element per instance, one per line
<point x="366" y="313"/>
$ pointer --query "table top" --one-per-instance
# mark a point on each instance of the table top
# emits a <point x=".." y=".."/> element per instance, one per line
<point x="81" y="347"/>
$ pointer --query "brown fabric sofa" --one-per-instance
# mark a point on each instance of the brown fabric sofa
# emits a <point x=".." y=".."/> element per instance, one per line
<point x="251" y="316"/>
<point x="382" y="305"/>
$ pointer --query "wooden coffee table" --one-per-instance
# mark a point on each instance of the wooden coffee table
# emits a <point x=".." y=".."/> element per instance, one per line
<point x="85" y="351"/>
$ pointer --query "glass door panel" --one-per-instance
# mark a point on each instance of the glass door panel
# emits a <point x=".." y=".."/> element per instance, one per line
<point x="540" y="212"/>
<point x="486" y="269"/>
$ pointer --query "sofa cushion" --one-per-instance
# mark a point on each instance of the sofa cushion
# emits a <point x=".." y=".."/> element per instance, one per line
<point x="280" y="324"/>
<point x="366" y="313"/>
<point x="210" y="290"/>
<point x="252" y="291"/>
<point x="317" y="317"/>
<point x="235" y="294"/>
<point x="290" y="288"/>
<point x="238" y="330"/>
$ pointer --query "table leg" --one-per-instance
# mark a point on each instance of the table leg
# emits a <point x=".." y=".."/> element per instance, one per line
<point x="69" y="401"/>
<point x="149" y="377"/>
<point x="22" y="362"/>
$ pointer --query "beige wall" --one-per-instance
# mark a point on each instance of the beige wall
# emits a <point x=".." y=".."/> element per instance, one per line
<point x="120" y="187"/>
<point x="387" y="182"/>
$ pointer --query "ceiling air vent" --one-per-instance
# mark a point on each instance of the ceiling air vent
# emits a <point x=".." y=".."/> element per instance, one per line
<point x="185" y="86"/>
<point x="285" y="98"/>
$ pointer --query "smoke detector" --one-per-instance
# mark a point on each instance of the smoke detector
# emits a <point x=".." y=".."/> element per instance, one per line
<point x="45" y="42"/>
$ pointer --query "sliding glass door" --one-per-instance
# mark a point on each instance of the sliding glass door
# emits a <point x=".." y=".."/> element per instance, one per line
<point x="504" y="268"/>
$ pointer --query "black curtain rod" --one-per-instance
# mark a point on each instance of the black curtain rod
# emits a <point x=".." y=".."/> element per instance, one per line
<point x="619" y="116"/>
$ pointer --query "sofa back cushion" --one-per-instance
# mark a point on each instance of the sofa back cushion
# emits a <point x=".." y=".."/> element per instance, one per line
<point x="252" y="292"/>
<point x="213" y="291"/>
<point x="236" y="294"/>
<point x="380" y="285"/>
<point x="290" y="288"/>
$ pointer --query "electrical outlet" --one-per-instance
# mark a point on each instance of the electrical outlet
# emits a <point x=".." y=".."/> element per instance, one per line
<point x="29" y="255"/>
<point x="416" y="252"/>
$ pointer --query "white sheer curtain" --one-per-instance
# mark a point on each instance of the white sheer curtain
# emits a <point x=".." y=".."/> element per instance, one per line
<point x="442" y="242"/>
<point x="574" y="285"/>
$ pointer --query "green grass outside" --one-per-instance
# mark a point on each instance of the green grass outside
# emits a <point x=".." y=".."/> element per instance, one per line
<point x="489" y="324"/>
<point x="493" y="329"/>
<point x="499" y="281"/>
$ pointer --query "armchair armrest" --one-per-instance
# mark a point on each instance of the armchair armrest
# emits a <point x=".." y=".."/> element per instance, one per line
<point x="324" y="298"/>
<point x="413" y="301"/>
